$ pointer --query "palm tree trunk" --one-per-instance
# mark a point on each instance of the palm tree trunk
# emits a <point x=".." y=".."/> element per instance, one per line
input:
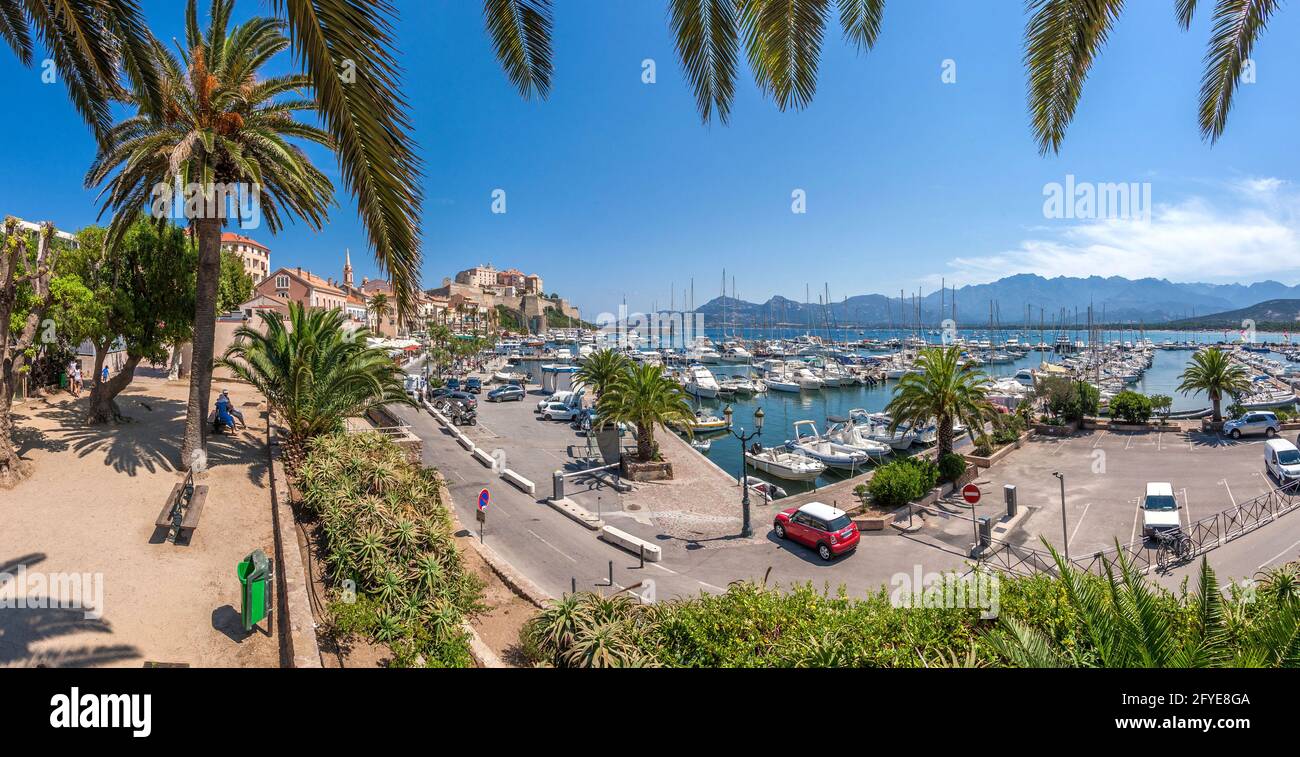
<point x="103" y="394"/>
<point x="1214" y="401"/>
<point x="945" y="436"/>
<point x="645" y="442"/>
<point x="208" y="231"/>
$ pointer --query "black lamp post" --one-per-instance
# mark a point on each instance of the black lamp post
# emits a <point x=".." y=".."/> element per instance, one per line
<point x="745" y="530"/>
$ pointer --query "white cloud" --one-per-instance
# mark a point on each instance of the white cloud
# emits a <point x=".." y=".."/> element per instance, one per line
<point x="1255" y="238"/>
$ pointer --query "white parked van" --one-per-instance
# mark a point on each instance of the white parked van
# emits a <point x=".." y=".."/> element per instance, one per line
<point x="1159" y="510"/>
<point x="568" y="398"/>
<point x="1282" y="461"/>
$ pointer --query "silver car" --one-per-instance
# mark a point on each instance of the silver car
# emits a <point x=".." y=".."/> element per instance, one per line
<point x="1253" y="422"/>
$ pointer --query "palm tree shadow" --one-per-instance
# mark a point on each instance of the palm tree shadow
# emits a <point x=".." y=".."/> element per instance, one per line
<point x="22" y="629"/>
<point x="138" y="443"/>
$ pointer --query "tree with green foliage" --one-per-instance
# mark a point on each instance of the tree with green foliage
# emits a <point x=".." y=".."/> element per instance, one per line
<point x="26" y="266"/>
<point x="1161" y="404"/>
<point x="1214" y="372"/>
<point x="141" y="295"/>
<point x="943" y="389"/>
<point x="235" y="287"/>
<point x="313" y="372"/>
<point x="647" y="398"/>
<point x="1130" y="407"/>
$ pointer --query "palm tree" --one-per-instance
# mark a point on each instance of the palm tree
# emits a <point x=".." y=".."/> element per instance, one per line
<point x="943" y="388"/>
<point x="379" y="309"/>
<point x="1212" y="371"/>
<point x="220" y="125"/>
<point x="601" y="369"/>
<point x="643" y="395"/>
<point x="313" y="373"/>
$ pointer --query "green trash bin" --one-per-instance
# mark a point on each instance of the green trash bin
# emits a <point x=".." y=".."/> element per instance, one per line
<point x="63" y="381"/>
<point x="255" y="588"/>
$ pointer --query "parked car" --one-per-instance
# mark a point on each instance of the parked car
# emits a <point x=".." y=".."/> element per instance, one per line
<point x="473" y="385"/>
<point x="465" y="398"/>
<point x="561" y="397"/>
<point x="506" y="393"/>
<point x="1282" y="461"/>
<point x="453" y="384"/>
<point x="1159" y="510"/>
<point x="1254" y="422"/>
<point x="558" y="411"/>
<point x="826" y="529"/>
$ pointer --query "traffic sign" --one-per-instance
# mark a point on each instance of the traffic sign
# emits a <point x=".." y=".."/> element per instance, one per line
<point x="969" y="492"/>
<point x="483" y="499"/>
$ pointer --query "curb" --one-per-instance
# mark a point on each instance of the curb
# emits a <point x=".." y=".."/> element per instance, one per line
<point x="297" y="625"/>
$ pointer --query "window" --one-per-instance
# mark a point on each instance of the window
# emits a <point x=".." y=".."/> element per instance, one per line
<point x="281" y="282"/>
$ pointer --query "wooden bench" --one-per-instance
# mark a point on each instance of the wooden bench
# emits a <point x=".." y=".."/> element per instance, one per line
<point x="190" y="515"/>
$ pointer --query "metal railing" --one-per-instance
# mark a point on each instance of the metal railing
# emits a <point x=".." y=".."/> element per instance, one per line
<point x="1205" y="534"/>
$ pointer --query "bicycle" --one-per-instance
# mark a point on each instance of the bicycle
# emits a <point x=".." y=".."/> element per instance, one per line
<point x="1173" y="543"/>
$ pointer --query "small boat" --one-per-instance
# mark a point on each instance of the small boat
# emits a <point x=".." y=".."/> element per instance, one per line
<point x="705" y="423"/>
<point x="702" y="444"/>
<point x="767" y="491"/>
<point x="833" y="455"/>
<point x="842" y="431"/>
<point x="780" y="383"/>
<point x="507" y="377"/>
<point x="791" y="466"/>
<point x="877" y="428"/>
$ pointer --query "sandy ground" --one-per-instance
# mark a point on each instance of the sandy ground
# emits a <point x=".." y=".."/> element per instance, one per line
<point x="89" y="507"/>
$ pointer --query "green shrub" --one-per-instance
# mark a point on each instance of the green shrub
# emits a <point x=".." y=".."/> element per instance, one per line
<point x="951" y="467"/>
<point x="901" y="481"/>
<point x="385" y="528"/>
<point x="1130" y="407"/>
<point x="1068" y="399"/>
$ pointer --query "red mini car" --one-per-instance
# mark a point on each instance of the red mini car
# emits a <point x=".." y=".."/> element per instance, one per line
<point x="824" y="528"/>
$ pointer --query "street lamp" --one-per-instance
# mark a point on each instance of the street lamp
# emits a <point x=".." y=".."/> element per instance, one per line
<point x="1064" y="533"/>
<point x="745" y="530"/>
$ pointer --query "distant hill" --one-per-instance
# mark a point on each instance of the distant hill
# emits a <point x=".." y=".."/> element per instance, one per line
<point x="1279" y="314"/>
<point x="1018" y="299"/>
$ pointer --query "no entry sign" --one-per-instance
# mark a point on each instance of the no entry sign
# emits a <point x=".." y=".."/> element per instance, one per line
<point x="483" y="499"/>
<point x="970" y="493"/>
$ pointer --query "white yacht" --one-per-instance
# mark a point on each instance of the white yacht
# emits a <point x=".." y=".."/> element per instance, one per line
<point x="844" y="432"/>
<point x="791" y="466"/>
<point x="779" y="382"/>
<point x="700" y="383"/>
<point x="832" y="454"/>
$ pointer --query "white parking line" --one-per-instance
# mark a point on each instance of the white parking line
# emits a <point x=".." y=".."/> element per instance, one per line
<point x="1187" y="506"/>
<point x="1279" y="554"/>
<point x="1080" y="523"/>
<point x="1128" y="442"/>
<point x="718" y="589"/>
<point x="1229" y="488"/>
<point x="566" y="555"/>
<point x="660" y="567"/>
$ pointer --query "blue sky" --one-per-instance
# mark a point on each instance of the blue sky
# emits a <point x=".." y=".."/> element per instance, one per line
<point x="615" y="189"/>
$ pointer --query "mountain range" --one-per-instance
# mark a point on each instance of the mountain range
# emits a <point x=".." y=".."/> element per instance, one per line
<point x="1280" y="314"/>
<point x="1019" y="299"/>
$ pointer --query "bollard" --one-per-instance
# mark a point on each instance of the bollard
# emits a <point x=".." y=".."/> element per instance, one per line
<point x="573" y="585"/>
<point x="611" y="572"/>
<point x="557" y="481"/>
<point x="1009" y="494"/>
<point x="642" y="547"/>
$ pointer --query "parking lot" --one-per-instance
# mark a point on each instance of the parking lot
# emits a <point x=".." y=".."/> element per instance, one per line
<point x="1105" y="478"/>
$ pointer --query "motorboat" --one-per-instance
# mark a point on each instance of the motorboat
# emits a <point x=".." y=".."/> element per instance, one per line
<point x="702" y="445"/>
<point x="734" y="353"/>
<point x="833" y="455"/>
<point x="782" y="463"/>
<point x="842" y="431"/>
<point x="806" y="379"/>
<point x="705" y="423"/>
<point x="780" y="383"/>
<point x="876" y="427"/>
<point x="505" y="376"/>
<point x="767" y="490"/>
<point x="701" y="383"/>
<point x="739" y="385"/>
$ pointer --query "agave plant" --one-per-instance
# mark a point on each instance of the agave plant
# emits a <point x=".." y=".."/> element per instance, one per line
<point x="314" y="374"/>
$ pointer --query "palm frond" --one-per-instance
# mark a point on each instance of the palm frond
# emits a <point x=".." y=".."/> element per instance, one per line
<point x="861" y="20"/>
<point x="1237" y="25"/>
<point x="368" y="120"/>
<point x="791" y="40"/>
<point x="706" y="36"/>
<point x="521" y="34"/>
<point x="1062" y="39"/>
